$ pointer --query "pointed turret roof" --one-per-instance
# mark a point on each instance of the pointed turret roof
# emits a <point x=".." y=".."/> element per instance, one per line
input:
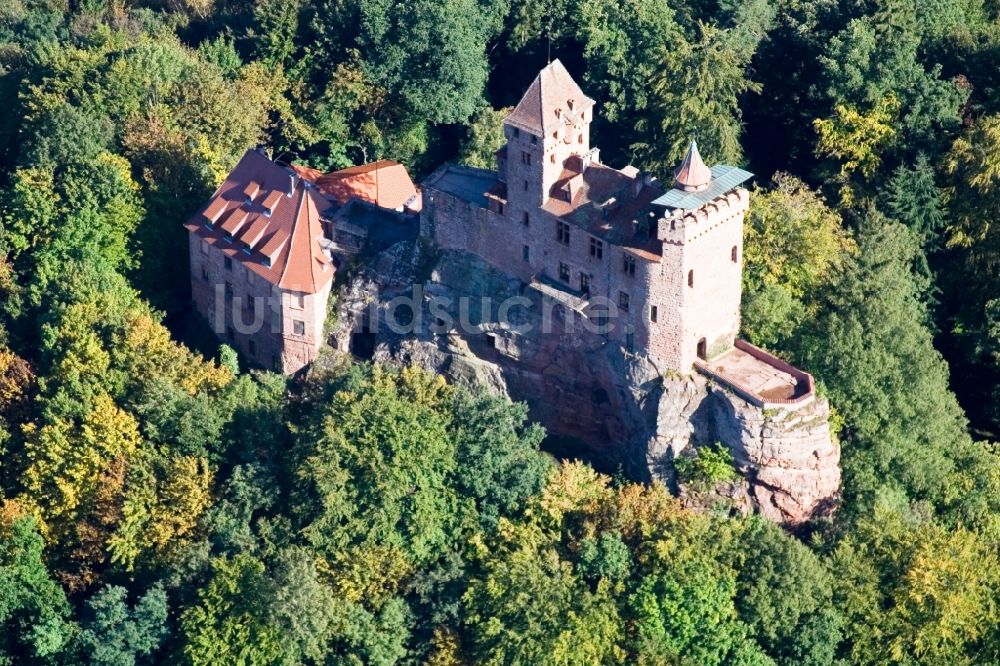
<point x="692" y="175"/>
<point x="549" y="99"/>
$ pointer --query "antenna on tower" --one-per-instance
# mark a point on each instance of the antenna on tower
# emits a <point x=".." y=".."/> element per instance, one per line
<point x="548" y="36"/>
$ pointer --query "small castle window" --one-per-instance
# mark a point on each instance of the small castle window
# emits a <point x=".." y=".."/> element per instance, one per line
<point x="534" y="139"/>
<point x="204" y="247"/>
<point x="252" y="306"/>
<point x="253" y="347"/>
<point x="204" y="274"/>
<point x="229" y="291"/>
<point x="517" y="132"/>
<point x="298" y="327"/>
<point x="563" y="272"/>
<point x="629" y="265"/>
<point x="585" y="283"/>
<point x="734" y="254"/>
<point x="229" y="263"/>
<point x="526" y="218"/>
<point x="623" y="301"/>
<point x="297" y="301"/>
<point x="552" y="158"/>
<point x="690" y="278"/>
<point x="526" y="253"/>
<point x="525" y="157"/>
<point x="562" y="233"/>
<point x="596" y="248"/>
<point x="525" y="186"/>
<point x="652" y="313"/>
<point x="579" y="137"/>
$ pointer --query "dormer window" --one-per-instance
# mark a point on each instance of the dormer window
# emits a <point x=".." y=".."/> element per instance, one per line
<point x="228" y="237"/>
<point x="247" y="250"/>
<point x="266" y="261"/>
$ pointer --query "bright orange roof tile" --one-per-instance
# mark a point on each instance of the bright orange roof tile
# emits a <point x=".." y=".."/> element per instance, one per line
<point x="293" y="229"/>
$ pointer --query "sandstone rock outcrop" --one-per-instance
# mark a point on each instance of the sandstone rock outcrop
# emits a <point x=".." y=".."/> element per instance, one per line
<point x="623" y="409"/>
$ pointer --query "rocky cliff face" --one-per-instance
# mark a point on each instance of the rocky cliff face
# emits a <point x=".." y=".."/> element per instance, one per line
<point x="618" y="405"/>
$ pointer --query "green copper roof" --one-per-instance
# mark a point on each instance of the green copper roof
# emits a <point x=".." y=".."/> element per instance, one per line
<point x="724" y="178"/>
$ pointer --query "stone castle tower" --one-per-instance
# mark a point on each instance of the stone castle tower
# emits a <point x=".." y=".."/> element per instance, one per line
<point x="666" y="261"/>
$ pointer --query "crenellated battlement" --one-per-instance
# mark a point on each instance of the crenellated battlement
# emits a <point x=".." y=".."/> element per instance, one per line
<point x="682" y="226"/>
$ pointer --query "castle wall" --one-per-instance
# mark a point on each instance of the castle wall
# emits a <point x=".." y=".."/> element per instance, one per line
<point x="264" y="330"/>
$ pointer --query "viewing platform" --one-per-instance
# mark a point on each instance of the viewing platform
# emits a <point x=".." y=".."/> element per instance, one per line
<point x="760" y="377"/>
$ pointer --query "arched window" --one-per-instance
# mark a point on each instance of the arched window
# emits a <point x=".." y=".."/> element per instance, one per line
<point x="734" y="254"/>
<point x="691" y="278"/>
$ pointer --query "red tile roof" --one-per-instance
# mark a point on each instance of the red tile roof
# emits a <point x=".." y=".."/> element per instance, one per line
<point x="552" y="100"/>
<point x="384" y="183"/>
<point x="275" y="232"/>
<point x="692" y="175"/>
<point x="306" y="172"/>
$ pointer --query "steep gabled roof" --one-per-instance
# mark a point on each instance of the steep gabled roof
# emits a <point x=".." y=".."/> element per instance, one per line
<point x="550" y="99"/>
<point x="267" y="219"/>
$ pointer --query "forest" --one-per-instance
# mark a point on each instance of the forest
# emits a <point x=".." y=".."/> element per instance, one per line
<point x="162" y="502"/>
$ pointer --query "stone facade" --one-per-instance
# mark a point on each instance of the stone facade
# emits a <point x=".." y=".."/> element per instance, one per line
<point x="279" y="329"/>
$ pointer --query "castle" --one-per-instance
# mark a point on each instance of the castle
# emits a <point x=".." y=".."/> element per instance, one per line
<point x="665" y="259"/>
<point x="657" y="264"/>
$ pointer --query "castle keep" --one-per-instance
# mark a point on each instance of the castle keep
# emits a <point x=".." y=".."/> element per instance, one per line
<point x="664" y="259"/>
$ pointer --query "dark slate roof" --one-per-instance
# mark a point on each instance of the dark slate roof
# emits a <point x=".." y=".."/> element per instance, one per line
<point x="466" y="183"/>
<point x="724" y="178"/>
